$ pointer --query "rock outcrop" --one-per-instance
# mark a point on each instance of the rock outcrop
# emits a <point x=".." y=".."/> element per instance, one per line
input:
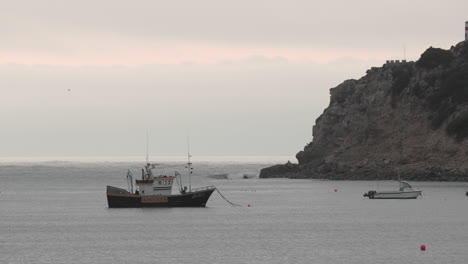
<point x="407" y="119"/>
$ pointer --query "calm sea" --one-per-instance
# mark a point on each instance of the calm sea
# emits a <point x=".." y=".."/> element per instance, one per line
<point x="56" y="212"/>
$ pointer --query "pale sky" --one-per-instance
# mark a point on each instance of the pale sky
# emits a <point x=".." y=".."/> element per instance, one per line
<point x="242" y="78"/>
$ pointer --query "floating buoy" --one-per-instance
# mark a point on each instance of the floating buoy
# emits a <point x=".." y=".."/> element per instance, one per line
<point x="249" y="205"/>
<point x="423" y="247"/>
<point x="336" y="190"/>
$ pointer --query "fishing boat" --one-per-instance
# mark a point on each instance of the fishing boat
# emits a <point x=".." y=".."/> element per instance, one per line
<point x="404" y="192"/>
<point x="156" y="191"/>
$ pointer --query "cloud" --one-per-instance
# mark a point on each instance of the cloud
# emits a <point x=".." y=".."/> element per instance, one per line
<point x="125" y="32"/>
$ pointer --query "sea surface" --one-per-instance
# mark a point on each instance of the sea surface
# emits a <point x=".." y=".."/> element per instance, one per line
<point x="55" y="211"/>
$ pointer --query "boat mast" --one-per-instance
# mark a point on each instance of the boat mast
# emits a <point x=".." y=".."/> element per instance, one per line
<point x="189" y="164"/>
<point x="147" y="140"/>
<point x="130" y="181"/>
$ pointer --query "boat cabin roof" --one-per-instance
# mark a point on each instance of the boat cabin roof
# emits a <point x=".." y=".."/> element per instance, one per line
<point x="144" y="181"/>
<point x="404" y="185"/>
<point x="151" y="181"/>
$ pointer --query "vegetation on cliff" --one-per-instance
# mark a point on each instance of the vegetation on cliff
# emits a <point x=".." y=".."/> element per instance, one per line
<point x="434" y="57"/>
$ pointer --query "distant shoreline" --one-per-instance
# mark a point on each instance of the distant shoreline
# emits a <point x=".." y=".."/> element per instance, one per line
<point x="141" y="159"/>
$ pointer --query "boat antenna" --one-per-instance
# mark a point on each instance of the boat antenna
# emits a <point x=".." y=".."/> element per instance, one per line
<point x="189" y="164"/>
<point x="147" y="143"/>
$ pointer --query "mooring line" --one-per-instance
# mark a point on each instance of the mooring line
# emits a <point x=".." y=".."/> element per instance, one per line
<point x="231" y="203"/>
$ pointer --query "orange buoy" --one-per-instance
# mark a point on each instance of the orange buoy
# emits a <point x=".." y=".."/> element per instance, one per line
<point x="423" y="247"/>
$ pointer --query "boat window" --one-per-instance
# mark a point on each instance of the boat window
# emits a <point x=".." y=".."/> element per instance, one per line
<point x="404" y="185"/>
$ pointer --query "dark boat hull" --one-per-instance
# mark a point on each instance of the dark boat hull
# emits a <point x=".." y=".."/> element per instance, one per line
<point x="119" y="198"/>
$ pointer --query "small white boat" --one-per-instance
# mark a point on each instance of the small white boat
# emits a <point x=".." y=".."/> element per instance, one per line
<point x="405" y="192"/>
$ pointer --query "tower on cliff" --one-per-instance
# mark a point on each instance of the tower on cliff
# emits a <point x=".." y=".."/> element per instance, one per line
<point x="466" y="31"/>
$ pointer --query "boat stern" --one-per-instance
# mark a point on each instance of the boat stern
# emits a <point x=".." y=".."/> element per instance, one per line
<point x="121" y="198"/>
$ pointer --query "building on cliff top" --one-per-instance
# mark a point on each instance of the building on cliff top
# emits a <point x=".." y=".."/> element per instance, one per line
<point x="466" y="30"/>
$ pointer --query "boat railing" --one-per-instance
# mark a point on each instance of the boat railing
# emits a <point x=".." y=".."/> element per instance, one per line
<point x="203" y="188"/>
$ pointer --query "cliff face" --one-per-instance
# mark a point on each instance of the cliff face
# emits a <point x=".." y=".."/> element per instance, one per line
<point x="407" y="118"/>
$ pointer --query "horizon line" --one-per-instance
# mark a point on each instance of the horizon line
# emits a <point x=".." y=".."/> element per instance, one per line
<point x="179" y="158"/>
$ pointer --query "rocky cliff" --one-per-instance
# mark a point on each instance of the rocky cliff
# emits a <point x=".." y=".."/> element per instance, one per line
<point x="404" y="118"/>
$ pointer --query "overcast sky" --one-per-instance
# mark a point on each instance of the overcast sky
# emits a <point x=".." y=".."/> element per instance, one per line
<point x="89" y="78"/>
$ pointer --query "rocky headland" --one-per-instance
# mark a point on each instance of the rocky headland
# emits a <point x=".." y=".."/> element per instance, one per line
<point x="404" y="119"/>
